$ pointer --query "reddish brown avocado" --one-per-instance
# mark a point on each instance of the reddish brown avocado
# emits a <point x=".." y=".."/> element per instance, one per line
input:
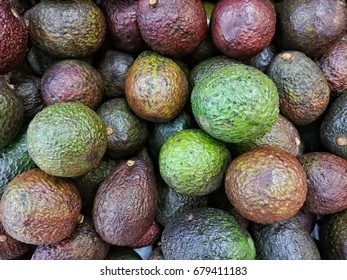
<point x="172" y="27"/>
<point x="13" y="38"/>
<point x="125" y="203"/>
<point x="242" y="28"/>
<point x="37" y="208"/>
<point x="121" y="22"/>
<point x="266" y="185"/>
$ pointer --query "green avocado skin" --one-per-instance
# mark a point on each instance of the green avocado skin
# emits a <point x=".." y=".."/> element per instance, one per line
<point x="14" y="159"/>
<point x="235" y="103"/>
<point x="334" y="126"/>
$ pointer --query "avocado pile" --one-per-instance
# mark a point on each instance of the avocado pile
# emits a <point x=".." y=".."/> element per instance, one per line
<point x="197" y="130"/>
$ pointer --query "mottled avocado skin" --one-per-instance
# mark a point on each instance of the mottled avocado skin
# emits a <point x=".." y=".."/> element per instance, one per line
<point x="206" y="234"/>
<point x="304" y="92"/>
<point x="83" y="244"/>
<point x="125" y="203"/>
<point x="284" y="241"/>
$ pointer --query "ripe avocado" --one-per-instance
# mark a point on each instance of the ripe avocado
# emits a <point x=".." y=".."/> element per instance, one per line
<point x="333" y="236"/>
<point x="283" y="135"/>
<point x="127" y="133"/>
<point x="235" y="103"/>
<point x="206" y="234"/>
<point x="51" y="21"/>
<point x="113" y="67"/>
<point x="83" y="244"/>
<point x="266" y="185"/>
<point x="310" y="26"/>
<point x="121" y="22"/>
<point x="193" y="163"/>
<point x="11" y="114"/>
<point x="304" y="92"/>
<point x="14" y="159"/>
<point x="156" y="88"/>
<point x="326" y="182"/>
<point x="333" y="131"/>
<point x="284" y="241"/>
<point x="38" y="208"/>
<point x="173" y="28"/>
<point x="13" y="38"/>
<point x="66" y="139"/>
<point x="125" y="203"/>
<point x="242" y="28"/>
<point x="122" y="253"/>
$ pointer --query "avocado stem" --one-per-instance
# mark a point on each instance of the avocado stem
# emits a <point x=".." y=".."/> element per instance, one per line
<point x="109" y="131"/>
<point x="297" y="141"/>
<point x="130" y="163"/>
<point x="341" y="141"/>
<point x="286" y="56"/>
<point x="14" y="13"/>
<point x="81" y="219"/>
<point x="11" y="86"/>
<point x="153" y="3"/>
<point x="3" y="238"/>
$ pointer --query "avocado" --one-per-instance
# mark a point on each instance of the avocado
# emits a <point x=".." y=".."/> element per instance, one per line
<point x="333" y="130"/>
<point x="88" y="183"/>
<point x="13" y="38"/>
<point x="156" y="88"/>
<point x="283" y="135"/>
<point x="326" y="181"/>
<point x="262" y="60"/>
<point x="125" y="203"/>
<point x="83" y="244"/>
<point x="38" y="208"/>
<point x="171" y="203"/>
<point x="11" y="114"/>
<point x="14" y="159"/>
<point x="122" y="253"/>
<point x="266" y="185"/>
<point x="284" y="241"/>
<point x="66" y="139"/>
<point x="206" y="234"/>
<point x="310" y="26"/>
<point x="113" y="67"/>
<point x="334" y="66"/>
<point x="304" y="92"/>
<point x="122" y="25"/>
<point x="172" y="28"/>
<point x="50" y="21"/>
<point x="193" y="163"/>
<point x="243" y="28"/>
<point x="333" y="236"/>
<point x="127" y="133"/>
<point x="149" y="238"/>
<point x="160" y="132"/>
<point x="72" y="80"/>
<point x="235" y="103"/>
<point x="11" y="248"/>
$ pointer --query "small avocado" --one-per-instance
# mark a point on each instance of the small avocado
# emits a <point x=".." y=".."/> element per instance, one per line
<point x="14" y="160"/>
<point x="333" y="131"/>
<point x="156" y="88"/>
<point x="125" y="203"/>
<point x="266" y="185"/>
<point x="13" y="38"/>
<point x="122" y="24"/>
<point x="66" y="139"/>
<point x="284" y="241"/>
<point x="38" y="208"/>
<point x="127" y="133"/>
<point x="333" y="236"/>
<point x="122" y="253"/>
<point x="326" y="181"/>
<point x="83" y="244"/>
<point x="310" y="26"/>
<point x="243" y="28"/>
<point x="72" y="80"/>
<point x="50" y="22"/>
<point x="304" y="92"/>
<point x="113" y="67"/>
<point x="11" y="114"/>
<point x="193" y="163"/>
<point x="172" y="28"/>
<point x="206" y="234"/>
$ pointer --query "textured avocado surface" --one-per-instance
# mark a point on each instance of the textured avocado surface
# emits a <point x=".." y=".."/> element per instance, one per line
<point x="122" y="253"/>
